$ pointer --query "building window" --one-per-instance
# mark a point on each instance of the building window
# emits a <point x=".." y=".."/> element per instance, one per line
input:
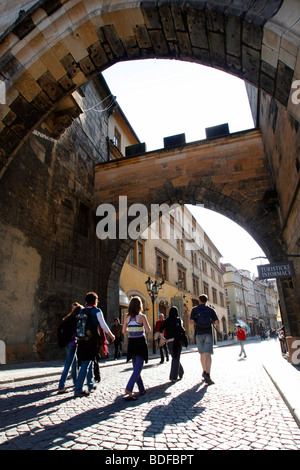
<point x="161" y="266"/>
<point x="222" y="303"/>
<point x="117" y="139"/>
<point x="195" y="285"/>
<point x="131" y="255"/>
<point x="136" y="254"/>
<point x="140" y="254"/>
<point x="181" y="279"/>
<point x="214" y="294"/>
<point x="180" y="246"/>
<point x="205" y="289"/>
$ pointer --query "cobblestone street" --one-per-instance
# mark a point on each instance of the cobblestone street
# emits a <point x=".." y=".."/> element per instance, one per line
<point x="242" y="410"/>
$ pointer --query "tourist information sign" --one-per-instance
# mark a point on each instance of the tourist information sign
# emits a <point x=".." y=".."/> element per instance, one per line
<point x="276" y="270"/>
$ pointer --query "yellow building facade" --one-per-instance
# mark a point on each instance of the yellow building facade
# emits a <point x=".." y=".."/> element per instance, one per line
<point x="175" y="252"/>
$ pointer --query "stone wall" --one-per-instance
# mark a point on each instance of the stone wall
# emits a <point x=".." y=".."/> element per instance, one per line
<point x="49" y="252"/>
<point x="281" y="138"/>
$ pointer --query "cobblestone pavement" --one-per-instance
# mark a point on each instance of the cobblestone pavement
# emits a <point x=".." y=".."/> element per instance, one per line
<point x="242" y="410"/>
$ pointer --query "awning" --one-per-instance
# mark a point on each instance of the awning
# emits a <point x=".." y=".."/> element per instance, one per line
<point x="243" y="325"/>
<point x="123" y="299"/>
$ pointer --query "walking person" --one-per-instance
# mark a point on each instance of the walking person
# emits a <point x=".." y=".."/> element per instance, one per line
<point x="171" y="326"/>
<point x="88" y="349"/>
<point x="241" y="336"/>
<point x="136" y="325"/>
<point x="116" y="330"/>
<point x="203" y="317"/>
<point x="69" y="329"/>
<point x="161" y="344"/>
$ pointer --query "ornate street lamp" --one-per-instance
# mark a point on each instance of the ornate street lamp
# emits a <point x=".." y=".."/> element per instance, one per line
<point x="153" y="290"/>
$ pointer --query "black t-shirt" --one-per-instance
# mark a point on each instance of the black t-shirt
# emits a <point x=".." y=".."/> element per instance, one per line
<point x="170" y="325"/>
<point x="198" y="329"/>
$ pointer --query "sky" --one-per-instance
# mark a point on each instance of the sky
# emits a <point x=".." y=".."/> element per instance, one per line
<point x="161" y="98"/>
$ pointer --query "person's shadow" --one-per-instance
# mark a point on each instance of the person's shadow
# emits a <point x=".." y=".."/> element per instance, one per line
<point x="180" y="409"/>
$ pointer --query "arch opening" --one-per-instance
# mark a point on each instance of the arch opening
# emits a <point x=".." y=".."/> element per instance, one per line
<point x="186" y="265"/>
<point x="52" y="50"/>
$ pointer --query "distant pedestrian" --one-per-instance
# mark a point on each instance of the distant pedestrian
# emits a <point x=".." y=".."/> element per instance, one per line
<point x="282" y="339"/>
<point x="171" y="326"/>
<point x="116" y="330"/>
<point x="161" y="344"/>
<point x="136" y="325"/>
<point x="241" y="336"/>
<point x="203" y="317"/>
<point x="69" y="329"/>
<point x="88" y="349"/>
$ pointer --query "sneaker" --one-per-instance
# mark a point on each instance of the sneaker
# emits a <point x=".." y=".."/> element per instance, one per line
<point x="208" y="380"/>
<point x="82" y="394"/>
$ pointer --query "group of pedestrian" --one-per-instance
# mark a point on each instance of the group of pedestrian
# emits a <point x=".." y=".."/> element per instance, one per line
<point x="82" y="356"/>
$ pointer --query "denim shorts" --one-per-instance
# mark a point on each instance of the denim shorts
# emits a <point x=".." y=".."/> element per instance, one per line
<point x="204" y="343"/>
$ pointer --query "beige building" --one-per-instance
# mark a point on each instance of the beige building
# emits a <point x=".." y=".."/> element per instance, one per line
<point x="250" y="302"/>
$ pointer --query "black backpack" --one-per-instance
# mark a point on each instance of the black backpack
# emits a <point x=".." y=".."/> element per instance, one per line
<point x="84" y="328"/>
<point x="66" y="331"/>
<point x="180" y="335"/>
<point x="203" y="316"/>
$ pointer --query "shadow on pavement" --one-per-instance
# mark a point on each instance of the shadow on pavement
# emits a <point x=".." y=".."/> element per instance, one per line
<point x="180" y="409"/>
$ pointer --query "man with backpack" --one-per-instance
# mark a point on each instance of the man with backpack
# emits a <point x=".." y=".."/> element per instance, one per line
<point x="203" y="317"/>
<point x="88" y="321"/>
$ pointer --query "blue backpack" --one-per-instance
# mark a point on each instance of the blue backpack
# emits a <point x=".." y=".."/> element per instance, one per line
<point x="203" y="316"/>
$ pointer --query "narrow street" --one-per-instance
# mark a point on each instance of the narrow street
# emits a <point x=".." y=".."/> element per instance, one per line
<point x="242" y="410"/>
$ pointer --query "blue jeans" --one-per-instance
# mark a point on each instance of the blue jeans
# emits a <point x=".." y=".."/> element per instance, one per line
<point x="71" y="360"/>
<point x="86" y="371"/>
<point x="176" y="367"/>
<point x="138" y="363"/>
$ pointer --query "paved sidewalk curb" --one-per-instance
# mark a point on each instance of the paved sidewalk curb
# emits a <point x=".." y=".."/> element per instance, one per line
<point x="282" y="381"/>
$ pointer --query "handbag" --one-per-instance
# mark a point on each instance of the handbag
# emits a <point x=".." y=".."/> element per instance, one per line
<point x="181" y="336"/>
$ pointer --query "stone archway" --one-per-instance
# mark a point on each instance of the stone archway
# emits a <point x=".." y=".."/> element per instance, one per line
<point x="54" y="47"/>
<point x="229" y="175"/>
